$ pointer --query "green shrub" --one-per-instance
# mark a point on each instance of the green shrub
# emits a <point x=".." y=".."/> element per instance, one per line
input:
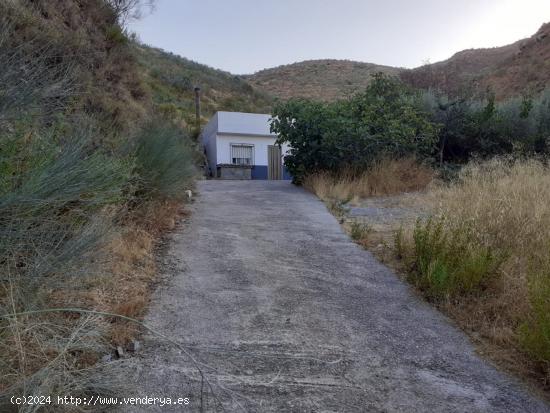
<point x="485" y="128"/>
<point x="166" y="160"/>
<point x="535" y="333"/>
<point x="115" y="35"/>
<point x="359" y="230"/>
<point x="399" y="243"/>
<point x="353" y="134"/>
<point x="449" y="261"/>
<point x="51" y="217"/>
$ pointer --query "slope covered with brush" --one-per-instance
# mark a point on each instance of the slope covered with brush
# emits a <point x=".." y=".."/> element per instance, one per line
<point x="324" y="80"/>
<point x="172" y="79"/>
<point x="520" y="68"/>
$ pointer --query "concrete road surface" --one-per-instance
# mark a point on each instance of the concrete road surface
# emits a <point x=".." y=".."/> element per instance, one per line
<point x="282" y="312"/>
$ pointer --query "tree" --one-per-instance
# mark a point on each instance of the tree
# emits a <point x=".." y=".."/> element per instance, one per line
<point x="382" y="121"/>
<point x="130" y="9"/>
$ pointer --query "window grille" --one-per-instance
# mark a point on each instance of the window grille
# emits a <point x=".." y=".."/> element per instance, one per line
<point x="242" y="154"/>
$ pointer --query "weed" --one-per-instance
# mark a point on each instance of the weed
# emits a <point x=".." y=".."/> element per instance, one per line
<point x="448" y="261"/>
<point x="398" y="243"/>
<point x="535" y="332"/>
<point x="484" y="258"/>
<point x="337" y="207"/>
<point x="359" y="230"/>
<point x="165" y="161"/>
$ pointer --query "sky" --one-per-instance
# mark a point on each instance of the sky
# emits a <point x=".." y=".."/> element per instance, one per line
<point x="244" y="36"/>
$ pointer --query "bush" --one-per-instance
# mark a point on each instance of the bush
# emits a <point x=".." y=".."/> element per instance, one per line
<point x="56" y="193"/>
<point x="535" y="332"/>
<point x="485" y="128"/>
<point x="384" y="121"/>
<point x="359" y="231"/>
<point x="165" y="161"/>
<point x="448" y="260"/>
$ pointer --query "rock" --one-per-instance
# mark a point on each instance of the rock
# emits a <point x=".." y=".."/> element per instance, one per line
<point x="189" y="194"/>
<point x="119" y="352"/>
<point x="107" y="358"/>
<point x="171" y="224"/>
<point x="134" y="346"/>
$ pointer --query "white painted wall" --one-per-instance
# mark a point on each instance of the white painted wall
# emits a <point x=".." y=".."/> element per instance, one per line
<point x="223" y="147"/>
<point x="252" y="124"/>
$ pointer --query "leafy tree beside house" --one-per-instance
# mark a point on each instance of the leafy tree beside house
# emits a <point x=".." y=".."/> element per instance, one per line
<point x="385" y="120"/>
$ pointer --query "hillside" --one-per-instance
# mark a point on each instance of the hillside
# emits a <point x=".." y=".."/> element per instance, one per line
<point x="522" y="67"/>
<point x="324" y="80"/>
<point x="171" y="80"/>
<point x="511" y="70"/>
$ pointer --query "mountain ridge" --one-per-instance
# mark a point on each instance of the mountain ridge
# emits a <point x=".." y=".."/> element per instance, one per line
<point x="505" y="71"/>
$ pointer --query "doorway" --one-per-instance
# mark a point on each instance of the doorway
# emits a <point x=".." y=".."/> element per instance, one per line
<point x="274" y="162"/>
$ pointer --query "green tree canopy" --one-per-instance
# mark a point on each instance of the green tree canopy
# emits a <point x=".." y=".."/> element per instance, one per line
<point x="384" y="120"/>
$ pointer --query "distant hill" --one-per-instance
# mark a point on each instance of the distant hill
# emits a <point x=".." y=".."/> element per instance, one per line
<point x="522" y="67"/>
<point x="324" y="80"/>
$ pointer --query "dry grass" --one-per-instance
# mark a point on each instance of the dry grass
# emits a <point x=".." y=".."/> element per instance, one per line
<point x="133" y="268"/>
<point x="386" y="177"/>
<point x="509" y="202"/>
<point x="502" y="206"/>
<point x="506" y="207"/>
<point x="60" y="350"/>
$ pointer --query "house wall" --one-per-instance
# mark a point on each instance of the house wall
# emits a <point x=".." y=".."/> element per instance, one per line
<point x="259" y="171"/>
<point x="260" y="143"/>
<point x="251" y="124"/>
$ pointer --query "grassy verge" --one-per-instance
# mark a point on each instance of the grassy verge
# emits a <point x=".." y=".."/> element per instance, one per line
<point x="78" y="229"/>
<point x="483" y="257"/>
<point x="479" y="251"/>
<point x="385" y="177"/>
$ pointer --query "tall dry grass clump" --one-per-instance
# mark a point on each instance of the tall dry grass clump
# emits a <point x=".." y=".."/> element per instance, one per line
<point x="385" y="177"/>
<point x="485" y="254"/>
<point x="507" y="201"/>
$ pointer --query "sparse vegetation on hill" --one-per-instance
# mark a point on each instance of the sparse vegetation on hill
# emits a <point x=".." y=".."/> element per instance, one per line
<point x="171" y="80"/>
<point x="323" y="80"/>
<point x="522" y="68"/>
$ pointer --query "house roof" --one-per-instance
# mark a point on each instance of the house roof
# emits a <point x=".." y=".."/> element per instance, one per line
<point x="240" y="123"/>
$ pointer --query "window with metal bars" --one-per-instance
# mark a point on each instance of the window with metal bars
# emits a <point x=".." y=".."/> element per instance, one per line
<point x="242" y="154"/>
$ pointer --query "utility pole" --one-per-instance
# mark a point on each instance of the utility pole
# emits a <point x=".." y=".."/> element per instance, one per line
<point x="198" y="108"/>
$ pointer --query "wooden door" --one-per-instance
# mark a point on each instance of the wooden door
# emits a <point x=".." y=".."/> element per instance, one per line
<point x="274" y="162"/>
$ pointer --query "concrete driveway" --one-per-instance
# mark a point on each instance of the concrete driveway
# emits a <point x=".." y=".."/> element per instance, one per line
<point x="285" y="314"/>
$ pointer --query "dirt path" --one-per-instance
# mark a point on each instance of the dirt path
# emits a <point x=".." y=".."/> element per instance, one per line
<point x="288" y="315"/>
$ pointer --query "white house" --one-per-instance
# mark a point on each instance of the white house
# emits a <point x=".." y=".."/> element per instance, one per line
<point x="240" y="146"/>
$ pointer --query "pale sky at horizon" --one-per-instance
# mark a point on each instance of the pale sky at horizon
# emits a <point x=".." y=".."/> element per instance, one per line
<point x="244" y="36"/>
